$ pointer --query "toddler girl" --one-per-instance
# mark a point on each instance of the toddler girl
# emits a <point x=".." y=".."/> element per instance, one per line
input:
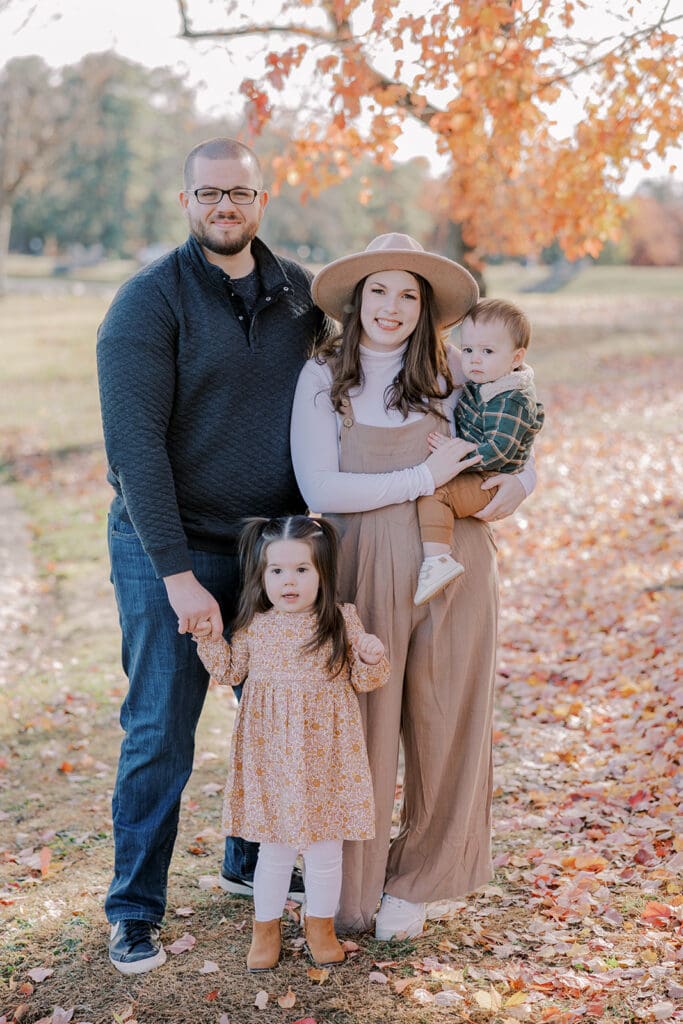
<point x="298" y="780"/>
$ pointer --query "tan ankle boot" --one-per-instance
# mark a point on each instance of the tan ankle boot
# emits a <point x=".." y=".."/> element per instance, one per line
<point x="266" y="942"/>
<point x="322" y="942"/>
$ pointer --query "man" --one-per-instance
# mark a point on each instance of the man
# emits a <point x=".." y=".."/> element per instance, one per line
<point x="198" y="358"/>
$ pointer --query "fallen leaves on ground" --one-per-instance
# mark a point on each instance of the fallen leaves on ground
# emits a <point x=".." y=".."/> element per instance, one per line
<point x="183" y="944"/>
<point x="318" y="974"/>
<point x="38" y="974"/>
<point x="209" y="967"/>
<point x="261" y="1000"/>
<point x="584" y="919"/>
<point x="287" y="1001"/>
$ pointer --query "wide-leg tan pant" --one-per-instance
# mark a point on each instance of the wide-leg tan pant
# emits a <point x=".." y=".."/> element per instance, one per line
<point x="439" y="697"/>
<point x="460" y="497"/>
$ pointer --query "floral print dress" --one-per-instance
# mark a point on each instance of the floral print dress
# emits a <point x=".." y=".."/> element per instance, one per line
<point x="299" y="769"/>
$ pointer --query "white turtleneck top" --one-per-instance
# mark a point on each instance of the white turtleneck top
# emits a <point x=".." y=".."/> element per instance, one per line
<point x="316" y="429"/>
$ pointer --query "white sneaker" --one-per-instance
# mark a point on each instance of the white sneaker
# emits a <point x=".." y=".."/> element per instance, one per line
<point x="399" y="919"/>
<point x="436" y="572"/>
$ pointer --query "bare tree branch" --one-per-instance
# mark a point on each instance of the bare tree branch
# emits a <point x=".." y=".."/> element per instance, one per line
<point x="339" y="37"/>
<point x="248" y="30"/>
<point x="624" y="44"/>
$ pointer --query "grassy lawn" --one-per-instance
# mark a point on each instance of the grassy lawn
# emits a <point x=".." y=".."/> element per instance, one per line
<point x="591" y="612"/>
<point x="35" y="267"/>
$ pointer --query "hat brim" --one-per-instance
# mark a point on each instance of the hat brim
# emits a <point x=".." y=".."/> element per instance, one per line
<point x="455" y="290"/>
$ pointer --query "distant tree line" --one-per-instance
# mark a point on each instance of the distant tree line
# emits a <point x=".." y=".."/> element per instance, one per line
<point x="91" y="156"/>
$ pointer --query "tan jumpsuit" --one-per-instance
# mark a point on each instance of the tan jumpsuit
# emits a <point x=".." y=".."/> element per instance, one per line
<point x="439" y="697"/>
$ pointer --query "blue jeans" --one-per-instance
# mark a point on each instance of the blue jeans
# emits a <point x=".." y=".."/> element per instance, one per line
<point x="167" y="687"/>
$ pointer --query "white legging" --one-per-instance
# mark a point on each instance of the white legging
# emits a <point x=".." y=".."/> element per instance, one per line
<point x="323" y="878"/>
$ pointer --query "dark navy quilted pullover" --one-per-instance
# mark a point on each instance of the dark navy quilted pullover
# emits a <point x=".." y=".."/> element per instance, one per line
<point x="195" y="407"/>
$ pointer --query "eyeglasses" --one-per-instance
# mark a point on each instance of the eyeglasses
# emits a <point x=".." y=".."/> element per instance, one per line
<point x="238" y="196"/>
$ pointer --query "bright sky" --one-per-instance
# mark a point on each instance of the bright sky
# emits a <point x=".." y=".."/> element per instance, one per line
<point x="146" y="31"/>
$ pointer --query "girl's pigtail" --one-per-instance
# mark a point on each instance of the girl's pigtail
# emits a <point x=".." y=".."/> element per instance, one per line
<point x="329" y="618"/>
<point x="253" y="596"/>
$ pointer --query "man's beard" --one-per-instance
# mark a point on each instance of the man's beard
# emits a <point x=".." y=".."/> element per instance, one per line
<point x="228" y="248"/>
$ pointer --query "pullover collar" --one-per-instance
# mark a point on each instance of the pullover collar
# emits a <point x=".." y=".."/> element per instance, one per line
<point x="271" y="271"/>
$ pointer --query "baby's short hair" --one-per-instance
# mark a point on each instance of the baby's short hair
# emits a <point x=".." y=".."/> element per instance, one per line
<point x="513" y="318"/>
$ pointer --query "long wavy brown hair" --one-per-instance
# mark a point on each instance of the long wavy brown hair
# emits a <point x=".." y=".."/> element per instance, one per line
<point x="321" y="537"/>
<point x="416" y="386"/>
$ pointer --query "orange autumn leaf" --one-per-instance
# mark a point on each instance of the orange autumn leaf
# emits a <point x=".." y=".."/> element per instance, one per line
<point x="585" y="862"/>
<point x="45" y="858"/>
<point x="319" y="974"/>
<point x="287" y="1001"/>
<point x="656" y="913"/>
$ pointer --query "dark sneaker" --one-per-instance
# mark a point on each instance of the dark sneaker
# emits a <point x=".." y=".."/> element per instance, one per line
<point x="296" y="886"/>
<point x="236" y="885"/>
<point x="245" y="886"/>
<point x="135" y="947"/>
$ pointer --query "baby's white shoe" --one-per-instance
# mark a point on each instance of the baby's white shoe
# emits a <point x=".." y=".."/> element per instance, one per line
<point x="399" y="918"/>
<point x="436" y="572"/>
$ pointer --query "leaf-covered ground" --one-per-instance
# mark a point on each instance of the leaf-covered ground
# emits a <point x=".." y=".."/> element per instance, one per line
<point x="584" y="918"/>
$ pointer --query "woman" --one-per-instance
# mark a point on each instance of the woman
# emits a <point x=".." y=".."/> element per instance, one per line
<point x="363" y="410"/>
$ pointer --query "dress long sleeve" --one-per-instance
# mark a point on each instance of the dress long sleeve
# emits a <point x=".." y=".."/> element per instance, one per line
<point x="228" y="663"/>
<point x="364" y="678"/>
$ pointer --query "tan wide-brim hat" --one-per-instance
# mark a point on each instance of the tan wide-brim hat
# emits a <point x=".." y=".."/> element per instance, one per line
<point x="455" y="290"/>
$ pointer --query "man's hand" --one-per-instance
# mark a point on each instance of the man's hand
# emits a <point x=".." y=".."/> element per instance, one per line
<point x="193" y="604"/>
<point x="450" y="459"/>
<point x="510" y="496"/>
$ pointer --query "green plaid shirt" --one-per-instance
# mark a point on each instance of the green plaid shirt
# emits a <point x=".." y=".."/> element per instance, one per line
<point x="502" y="419"/>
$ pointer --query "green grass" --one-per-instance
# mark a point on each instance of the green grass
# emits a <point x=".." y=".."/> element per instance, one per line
<point x="51" y="451"/>
<point x="32" y="267"/>
<point x="510" y="279"/>
<point x="50" y="400"/>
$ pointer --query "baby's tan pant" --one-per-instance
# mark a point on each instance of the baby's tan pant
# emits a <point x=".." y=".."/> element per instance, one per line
<point x="459" y="498"/>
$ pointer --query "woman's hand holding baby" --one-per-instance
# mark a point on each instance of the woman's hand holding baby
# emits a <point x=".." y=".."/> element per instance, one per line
<point x="449" y="457"/>
<point x="369" y="649"/>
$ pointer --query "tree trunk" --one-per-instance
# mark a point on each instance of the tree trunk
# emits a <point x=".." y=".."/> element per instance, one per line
<point x="5" y="225"/>
<point x="457" y="250"/>
<point x="448" y="240"/>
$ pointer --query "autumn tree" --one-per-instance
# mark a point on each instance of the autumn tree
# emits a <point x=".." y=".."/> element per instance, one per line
<point x="484" y="79"/>
<point x="32" y="115"/>
<point x="654" y="226"/>
<point x="118" y="172"/>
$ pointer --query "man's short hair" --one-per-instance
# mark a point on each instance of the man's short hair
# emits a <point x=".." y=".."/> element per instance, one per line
<point x="511" y="316"/>
<point x="220" y="149"/>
